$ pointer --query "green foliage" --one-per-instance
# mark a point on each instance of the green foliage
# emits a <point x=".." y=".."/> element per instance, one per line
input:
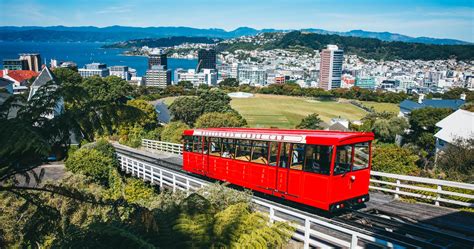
<point x="173" y="132"/>
<point x="423" y="125"/>
<point x="386" y="130"/>
<point x="136" y="191"/>
<point x="149" y="118"/>
<point x="391" y="158"/>
<point x="187" y="109"/>
<point x="216" y="120"/>
<point x="229" y="82"/>
<point x="186" y="84"/>
<point x="92" y="163"/>
<point x="67" y="76"/>
<point x="109" y="89"/>
<point x="457" y="160"/>
<point x="310" y="122"/>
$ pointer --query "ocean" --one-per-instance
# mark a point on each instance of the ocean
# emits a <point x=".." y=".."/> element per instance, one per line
<point x="83" y="53"/>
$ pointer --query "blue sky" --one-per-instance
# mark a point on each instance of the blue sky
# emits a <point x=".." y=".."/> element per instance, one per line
<point x="441" y="19"/>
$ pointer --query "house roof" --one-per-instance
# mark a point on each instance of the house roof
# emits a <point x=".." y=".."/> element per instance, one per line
<point x="338" y="127"/>
<point x="459" y="124"/>
<point x="44" y="77"/>
<point x="19" y="75"/>
<point x="453" y="104"/>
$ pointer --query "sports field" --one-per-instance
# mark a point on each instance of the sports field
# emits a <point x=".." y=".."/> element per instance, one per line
<point x="286" y="111"/>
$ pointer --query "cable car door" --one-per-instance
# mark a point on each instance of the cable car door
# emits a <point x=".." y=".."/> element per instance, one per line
<point x="282" y="171"/>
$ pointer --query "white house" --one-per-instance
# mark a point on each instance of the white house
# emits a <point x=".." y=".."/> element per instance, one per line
<point x="458" y="125"/>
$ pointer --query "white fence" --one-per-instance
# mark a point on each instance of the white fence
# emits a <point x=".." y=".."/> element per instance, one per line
<point x="310" y="230"/>
<point x="415" y="186"/>
<point x="162" y="146"/>
<point x="389" y="183"/>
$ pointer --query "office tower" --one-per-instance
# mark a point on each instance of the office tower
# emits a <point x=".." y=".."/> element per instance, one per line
<point x="206" y="59"/>
<point x="15" y="64"/>
<point x="160" y="59"/>
<point x="93" y="69"/>
<point x="33" y="61"/>
<point x="158" y="77"/>
<point x="120" y="71"/>
<point x="331" y="67"/>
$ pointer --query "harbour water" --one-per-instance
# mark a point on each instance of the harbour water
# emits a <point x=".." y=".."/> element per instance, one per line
<point x="83" y="53"/>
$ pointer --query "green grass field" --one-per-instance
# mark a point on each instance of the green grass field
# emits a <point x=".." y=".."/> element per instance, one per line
<point x="286" y="111"/>
<point x="169" y="100"/>
<point x="379" y="107"/>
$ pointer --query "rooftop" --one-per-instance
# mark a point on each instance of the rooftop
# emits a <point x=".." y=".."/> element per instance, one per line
<point x="453" y="104"/>
<point x="459" y="124"/>
<point x="19" y="75"/>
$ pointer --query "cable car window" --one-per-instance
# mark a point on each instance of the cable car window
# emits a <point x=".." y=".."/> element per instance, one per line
<point x="243" y="151"/>
<point x="284" y="155"/>
<point x="272" y="159"/>
<point x="205" y="145"/>
<point x="197" y="144"/>
<point x="188" y="143"/>
<point x="361" y="156"/>
<point x="228" y="148"/>
<point x="260" y="152"/>
<point x="343" y="159"/>
<point x="297" y="156"/>
<point x="215" y="146"/>
<point x="318" y="159"/>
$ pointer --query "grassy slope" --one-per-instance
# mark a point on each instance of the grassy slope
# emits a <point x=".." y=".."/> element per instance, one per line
<point x="379" y="107"/>
<point x="286" y="111"/>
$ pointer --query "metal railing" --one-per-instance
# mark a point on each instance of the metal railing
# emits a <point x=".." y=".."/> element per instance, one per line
<point x="310" y="230"/>
<point x="420" y="187"/>
<point x="162" y="146"/>
<point x="394" y="184"/>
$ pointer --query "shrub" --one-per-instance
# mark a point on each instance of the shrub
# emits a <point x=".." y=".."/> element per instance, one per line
<point x="216" y="120"/>
<point x="92" y="163"/>
<point x="391" y="158"/>
<point x="173" y="132"/>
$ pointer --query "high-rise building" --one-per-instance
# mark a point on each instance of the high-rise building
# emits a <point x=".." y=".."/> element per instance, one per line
<point x="206" y="59"/>
<point x="33" y="61"/>
<point x="206" y="77"/>
<point x="160" y="59"/>
<point x="93" y="69"/>
<point x="15" y="64"/>
<point x="158" y="77"/>
<point x="331" y="67"/>
<point x="120" y="71"/>
<point x="252" y="75"/>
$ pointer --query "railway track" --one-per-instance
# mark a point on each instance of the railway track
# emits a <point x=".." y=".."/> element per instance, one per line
<point x="410" y="234"/>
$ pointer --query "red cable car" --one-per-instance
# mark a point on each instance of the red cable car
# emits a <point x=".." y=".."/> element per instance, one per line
<point x="329" y="170"/>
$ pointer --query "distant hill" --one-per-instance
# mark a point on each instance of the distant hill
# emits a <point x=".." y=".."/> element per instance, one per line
<point x="124" y="33"/>
<point x="369" y="48"/>
<point x="163" y="42"/>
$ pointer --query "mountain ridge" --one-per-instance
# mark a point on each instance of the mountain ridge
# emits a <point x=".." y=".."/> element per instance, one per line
<point x="122" y="33"/>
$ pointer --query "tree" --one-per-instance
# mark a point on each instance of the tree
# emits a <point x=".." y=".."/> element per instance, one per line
<point x="187" y="109"/>
<point x="215" y="101"/>
<point x="386" y="130"/>
<point x="229" y="82"/>
<point x="149" y="119"/>
<point x="173" y="132"/>
<point x="186" y="84"/>
<point x="215" y="120"/>
<point x="391" y="158"/>
<point x="109" y="89"/>
<point x="311" y="122"/>
<point x="457" y="160"/>
<point x="67" y="76"/>
<point x="423" y="125"/>
<point x="92" y="163"/>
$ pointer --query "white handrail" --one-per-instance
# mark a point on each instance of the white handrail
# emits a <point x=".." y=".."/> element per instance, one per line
<point x="401" y="182"/>
<point x="306" y="231"/>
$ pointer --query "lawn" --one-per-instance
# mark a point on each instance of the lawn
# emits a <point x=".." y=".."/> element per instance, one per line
<point x="286" y="111"/>
<point x="168" y="100"/>
<point x="380" y="107"/>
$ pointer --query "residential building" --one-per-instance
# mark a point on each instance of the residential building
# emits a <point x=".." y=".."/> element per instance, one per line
<point x="407" y="106"/>
<point x="205" y="77"/>
<point x="94" y="69"/>
<point x="158" y="59"/>
<point x="331" y="67"/>
<point x="7" y="85"/>
<point x="252" y="76"/>
<point x="15" y="64"/>
<point x="46" y="76"/>
<point x="19" y="78"/>
<point x="33" y="61"/>
<point x="120" y="71"/>
<point x="458" y="125"/>
<point x="158" y="76"/>
<point x="206" y="59"/>
<point x="365" y="82"/>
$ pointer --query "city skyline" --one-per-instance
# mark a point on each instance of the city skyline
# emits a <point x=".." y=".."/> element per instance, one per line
<point x="437" y="19"/>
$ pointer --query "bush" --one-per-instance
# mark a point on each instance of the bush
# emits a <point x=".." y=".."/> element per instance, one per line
<point x="173" y="132"/>
<point x="390" y="158"/>
<point x="216" y="120"/>
<point x="92" y="163"/>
